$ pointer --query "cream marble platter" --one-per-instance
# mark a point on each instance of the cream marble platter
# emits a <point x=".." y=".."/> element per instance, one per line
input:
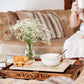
<point x="38" y="66"/>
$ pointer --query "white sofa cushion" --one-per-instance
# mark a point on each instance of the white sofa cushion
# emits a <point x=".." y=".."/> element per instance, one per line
<point x="16" y="47"/>
<point x="12" y="47"/>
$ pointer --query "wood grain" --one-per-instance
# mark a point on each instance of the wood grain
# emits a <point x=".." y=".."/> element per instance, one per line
<point x="67" y="4"/>
<point x="73" y="72"/>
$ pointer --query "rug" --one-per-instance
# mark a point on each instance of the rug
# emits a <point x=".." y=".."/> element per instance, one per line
<point x="18" y="81"/>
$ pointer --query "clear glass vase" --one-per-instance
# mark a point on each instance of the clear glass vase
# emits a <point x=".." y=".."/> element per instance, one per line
<point x="30" y="52"/>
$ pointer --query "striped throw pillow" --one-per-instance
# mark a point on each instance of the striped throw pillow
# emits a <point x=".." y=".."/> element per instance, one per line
<point x="50" y="20"/>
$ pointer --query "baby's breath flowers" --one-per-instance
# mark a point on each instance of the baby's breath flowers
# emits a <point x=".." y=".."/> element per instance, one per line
<point x="30" y="30"/>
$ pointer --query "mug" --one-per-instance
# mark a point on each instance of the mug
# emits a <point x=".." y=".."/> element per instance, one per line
<point x="81" y="4"/>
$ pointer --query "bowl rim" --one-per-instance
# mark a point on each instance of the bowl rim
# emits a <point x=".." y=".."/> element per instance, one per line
<point x="44" y="55"/>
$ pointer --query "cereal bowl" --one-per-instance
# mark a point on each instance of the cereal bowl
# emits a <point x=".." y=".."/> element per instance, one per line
<point x="50" y="59"/>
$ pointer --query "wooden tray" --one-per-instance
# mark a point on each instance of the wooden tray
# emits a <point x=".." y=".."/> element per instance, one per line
<point x="72" y="71"/>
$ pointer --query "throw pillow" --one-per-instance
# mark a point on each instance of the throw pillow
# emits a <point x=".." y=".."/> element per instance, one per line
<point x="50" y="20"/>
<point x="24" y="15"/>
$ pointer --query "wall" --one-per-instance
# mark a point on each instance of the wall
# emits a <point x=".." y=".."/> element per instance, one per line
<point x="8" y="5"/>
<point x="48" y="4"/>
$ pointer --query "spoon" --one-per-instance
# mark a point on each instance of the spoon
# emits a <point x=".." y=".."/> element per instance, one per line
<point x="62" y="52"/>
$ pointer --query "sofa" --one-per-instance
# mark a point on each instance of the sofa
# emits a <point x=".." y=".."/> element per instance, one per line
<point x="11" y="46"/>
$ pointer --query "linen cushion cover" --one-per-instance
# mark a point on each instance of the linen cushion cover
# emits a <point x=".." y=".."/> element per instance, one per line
<point x="17" y="47"/>
<point x="50" y="20"/>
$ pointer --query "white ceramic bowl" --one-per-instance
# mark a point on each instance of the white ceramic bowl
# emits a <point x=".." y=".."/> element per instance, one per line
<point x="50" y="59"/>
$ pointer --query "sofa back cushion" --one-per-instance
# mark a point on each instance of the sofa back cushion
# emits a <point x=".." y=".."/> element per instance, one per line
<point x="7" y="19"/>
<point x="63" y="16"/>
<point x="50" y="20"/>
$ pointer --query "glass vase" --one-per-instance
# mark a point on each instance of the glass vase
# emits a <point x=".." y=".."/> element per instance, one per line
<point x="30" y="52"/>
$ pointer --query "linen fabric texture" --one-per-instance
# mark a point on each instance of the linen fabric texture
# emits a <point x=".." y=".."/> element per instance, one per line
<point x="50" y="20"/>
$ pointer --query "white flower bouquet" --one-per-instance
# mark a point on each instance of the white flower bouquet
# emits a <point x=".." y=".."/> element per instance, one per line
<point x="29" y="31"/>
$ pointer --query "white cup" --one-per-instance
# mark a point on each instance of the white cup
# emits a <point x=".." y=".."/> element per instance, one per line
<point x="81" y="4"/>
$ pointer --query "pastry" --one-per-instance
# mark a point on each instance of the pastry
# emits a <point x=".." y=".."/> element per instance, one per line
<point x="25" y="58"/>
<point x="20" y="60"/>
<point x="17" y="58"/>
<point x="19" y="63"/>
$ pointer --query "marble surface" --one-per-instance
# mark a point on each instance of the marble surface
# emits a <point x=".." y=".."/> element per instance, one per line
<point x="39" y="66"/>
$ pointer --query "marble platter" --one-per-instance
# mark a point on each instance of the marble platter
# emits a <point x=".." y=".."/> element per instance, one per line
<point x="38" y="66"/>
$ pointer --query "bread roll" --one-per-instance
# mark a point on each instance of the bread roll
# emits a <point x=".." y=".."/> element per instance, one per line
<point x="20" y="60"/>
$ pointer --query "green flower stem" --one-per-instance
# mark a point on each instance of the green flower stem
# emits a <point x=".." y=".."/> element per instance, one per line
<point x="30" y="52"/>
